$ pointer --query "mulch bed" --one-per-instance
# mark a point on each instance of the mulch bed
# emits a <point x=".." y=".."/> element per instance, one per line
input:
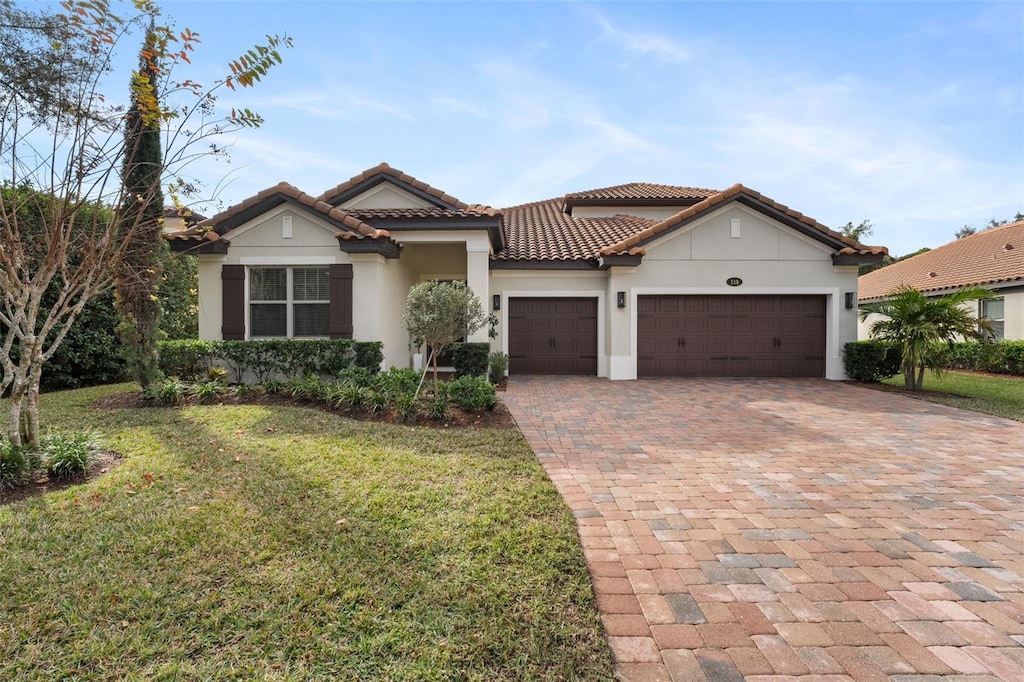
<point x="42" y="484"/>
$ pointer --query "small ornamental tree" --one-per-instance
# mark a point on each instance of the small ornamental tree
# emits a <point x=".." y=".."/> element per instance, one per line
<point x="923" y="328"/>
<point x="67" y="220"/>
<point x="440" y="313"/>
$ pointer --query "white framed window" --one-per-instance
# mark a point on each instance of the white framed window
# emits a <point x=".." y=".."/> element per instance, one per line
<point x="992" y="311"/>
<point x="289" y="302"/>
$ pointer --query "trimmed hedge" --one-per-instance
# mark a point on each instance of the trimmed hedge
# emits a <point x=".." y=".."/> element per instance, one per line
<point x="871" y="361"/>
<point x="266" y="358"/>
<point x="470" y="359"/>
<point x="998" y="357"/>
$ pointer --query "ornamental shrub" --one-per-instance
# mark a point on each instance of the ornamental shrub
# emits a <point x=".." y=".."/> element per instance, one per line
<point x="470" y="359"/>
<point x="186" y="359"/>
<point x="497" y="368"/>
<point x="68" y="454"/>
<point x="871" y="361"/>
<point x="472" y="394"/>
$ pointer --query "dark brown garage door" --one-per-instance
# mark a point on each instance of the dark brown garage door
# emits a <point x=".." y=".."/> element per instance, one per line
<point x="552" y="336"/>
<point x="777" y="336"/>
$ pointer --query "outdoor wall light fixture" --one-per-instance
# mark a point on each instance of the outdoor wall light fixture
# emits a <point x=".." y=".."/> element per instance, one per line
<point x="496" y="302"/>
<point x="849" y="300"/>
<point x="620" y="299"/>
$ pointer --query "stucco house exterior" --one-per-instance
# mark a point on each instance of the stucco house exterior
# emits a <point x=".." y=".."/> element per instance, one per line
<point x="992" y="258"/>
<point x="621" y="282"/>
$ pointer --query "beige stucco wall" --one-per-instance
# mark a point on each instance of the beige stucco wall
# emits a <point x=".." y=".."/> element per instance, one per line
<point x="1013" y="310"/>
<point x="768" y="257"/>
<point x="553" y="283"/>
<point x="385" y="195"/>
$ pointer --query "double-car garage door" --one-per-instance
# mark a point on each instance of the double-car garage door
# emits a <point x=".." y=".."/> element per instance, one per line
<point x="781" y="336"/>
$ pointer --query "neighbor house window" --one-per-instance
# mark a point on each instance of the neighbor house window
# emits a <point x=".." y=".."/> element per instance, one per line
<point x="289" y="302"/>
<point x="992" y="311"/>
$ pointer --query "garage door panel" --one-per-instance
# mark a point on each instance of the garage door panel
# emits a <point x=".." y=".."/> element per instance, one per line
<point x="732" y="336"/>
<point x="553" y="335"/>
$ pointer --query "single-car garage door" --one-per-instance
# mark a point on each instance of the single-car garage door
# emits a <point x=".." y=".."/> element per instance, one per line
<point x="777" y="336"/>
<point x="552" y="336"/>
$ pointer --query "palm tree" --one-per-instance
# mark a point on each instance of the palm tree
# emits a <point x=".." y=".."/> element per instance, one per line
<point x="920" y="326"/>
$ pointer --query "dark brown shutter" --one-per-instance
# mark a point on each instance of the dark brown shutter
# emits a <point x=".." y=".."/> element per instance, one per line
<point x="233" y="299"/>
<point x="341" y="301"/>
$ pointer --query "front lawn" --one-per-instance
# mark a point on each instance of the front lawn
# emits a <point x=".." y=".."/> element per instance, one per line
<point x="999" y="395"/>
<point x="258" y="542"/>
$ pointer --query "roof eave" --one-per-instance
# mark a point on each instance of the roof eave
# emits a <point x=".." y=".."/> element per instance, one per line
<point x="857" y="258"/>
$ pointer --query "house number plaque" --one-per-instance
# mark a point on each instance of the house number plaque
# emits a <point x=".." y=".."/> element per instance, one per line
<point x="734" y="281"/>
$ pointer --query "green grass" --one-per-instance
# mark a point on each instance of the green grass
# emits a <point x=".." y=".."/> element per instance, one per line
<point x="256" y="542"/>
<point x="1001" y="396"/>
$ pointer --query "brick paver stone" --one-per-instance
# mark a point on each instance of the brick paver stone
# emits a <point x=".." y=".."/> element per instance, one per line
<point x="781" y="530"/>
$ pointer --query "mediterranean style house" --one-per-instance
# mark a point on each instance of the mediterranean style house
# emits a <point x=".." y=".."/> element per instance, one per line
<point x="622" y="282"/>
<point x="992" y="258"/>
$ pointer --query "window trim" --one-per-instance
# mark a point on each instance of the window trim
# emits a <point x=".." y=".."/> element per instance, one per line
<point x="290" y="301"/>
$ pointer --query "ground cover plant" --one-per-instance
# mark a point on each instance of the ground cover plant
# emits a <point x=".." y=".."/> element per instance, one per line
<point x="999" y="395"/>
<point x="279" y="542"/>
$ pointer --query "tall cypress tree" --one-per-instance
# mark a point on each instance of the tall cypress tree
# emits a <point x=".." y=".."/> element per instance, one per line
<point x="138" y="278"/>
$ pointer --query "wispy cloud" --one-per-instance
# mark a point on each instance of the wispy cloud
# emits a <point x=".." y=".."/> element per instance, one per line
<point x="640" y="43"/>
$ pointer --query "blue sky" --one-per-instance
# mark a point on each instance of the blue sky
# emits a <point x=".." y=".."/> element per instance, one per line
<point x="908" y="114"/>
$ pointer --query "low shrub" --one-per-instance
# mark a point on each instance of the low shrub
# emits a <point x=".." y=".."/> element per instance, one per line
<point x="309" y="387"/>
<point x="472" y="393"/>
<point x="405" y="406"/>
<point x="470" y="359"/>
<point x="871" y="361"/>
<point x="356" y="376"/>
<point x="167" y="392"/>
<point x="998" y="357"/>
<point x="15" y="466"/>
<point x="261" y="359"/>
<point x="207" y="391"/>
<point x="437" y="408"/>
<point x="185" y="359"/>
<point x="397" y="381"/>
<point x="350" y="396"/>
<point x="497" y="368"/>
<point x="68" y="454"/>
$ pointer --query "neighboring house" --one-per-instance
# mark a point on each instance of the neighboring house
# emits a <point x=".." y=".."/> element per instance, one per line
<point x="992" y="258"/>
<point x="178" y="219"/>
<point x="620" y="282"/>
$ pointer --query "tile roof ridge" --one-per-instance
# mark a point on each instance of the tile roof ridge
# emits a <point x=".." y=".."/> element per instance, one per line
<point x="207" y="228"/>
<point x="385" y="169"/>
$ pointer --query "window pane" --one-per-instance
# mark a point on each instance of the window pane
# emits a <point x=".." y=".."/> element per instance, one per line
<point x="312" y="319"/>
<point x="993" y="309"/>
<point x="268" y="284"/>
<point x="997" y="330"/>
<point x="268" y="319"/>
<point x="311" y="284"/>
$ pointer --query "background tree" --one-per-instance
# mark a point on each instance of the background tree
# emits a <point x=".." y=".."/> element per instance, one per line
<point x="924" y="327"/>
<point x="968" y="230"/>
<point x="858" y="232"/>
<point x="60" y="138"/>
<point x="140" y="271"/>
<point x="440" y="313"/>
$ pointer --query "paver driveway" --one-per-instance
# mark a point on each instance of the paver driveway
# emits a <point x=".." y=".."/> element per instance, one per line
<point x="772" y="529"/>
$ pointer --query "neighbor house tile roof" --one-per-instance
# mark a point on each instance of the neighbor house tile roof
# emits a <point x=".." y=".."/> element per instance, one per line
<point x="385" y="169"/>
<point x="988" y="257"/>
<point x="541" y="231"/>
<point x="212" y="228"/>
<point x="632" y="242"/>
<point x="640" y="191"/>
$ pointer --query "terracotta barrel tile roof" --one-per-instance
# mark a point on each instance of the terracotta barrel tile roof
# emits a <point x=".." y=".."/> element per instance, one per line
<point x="852" y="246"/>
<point x="541" y="231"/>
<point x="371" y="213"/>
<point x="208" y="229"/>
<point x="987" y="257"/>
<point x="385" y="169"/>
<point x="642" y="191"/>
